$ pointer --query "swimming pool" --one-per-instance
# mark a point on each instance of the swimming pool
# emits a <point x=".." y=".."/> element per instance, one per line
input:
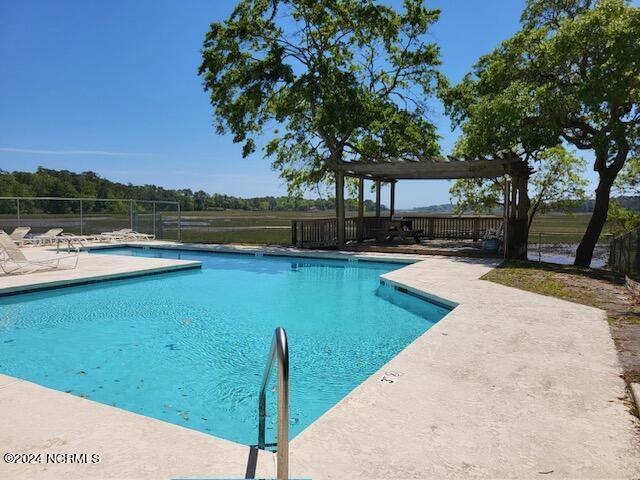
<point x="190" y="347"/>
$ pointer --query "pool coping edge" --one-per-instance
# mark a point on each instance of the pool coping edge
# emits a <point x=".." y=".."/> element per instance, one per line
<point x="55" y="284"/>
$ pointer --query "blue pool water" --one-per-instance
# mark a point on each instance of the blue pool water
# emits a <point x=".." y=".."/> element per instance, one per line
<point x="190" y="347"/>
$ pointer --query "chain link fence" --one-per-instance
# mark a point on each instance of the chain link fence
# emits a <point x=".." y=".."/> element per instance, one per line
<point x="86" y="216"/>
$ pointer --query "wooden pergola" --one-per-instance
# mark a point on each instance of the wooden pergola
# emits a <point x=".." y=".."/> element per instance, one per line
<point x="512" y="167"/>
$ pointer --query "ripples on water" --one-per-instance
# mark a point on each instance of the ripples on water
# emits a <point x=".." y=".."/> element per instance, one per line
<point x="190" y="347"/>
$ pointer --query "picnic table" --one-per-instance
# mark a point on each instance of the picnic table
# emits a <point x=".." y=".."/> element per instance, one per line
<point x="392" y="229"/>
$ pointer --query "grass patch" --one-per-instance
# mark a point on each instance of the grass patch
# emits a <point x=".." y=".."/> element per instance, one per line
<point x="568" y="282"/>
<point x="551" y="229"/>
<point x="562" y="228"/>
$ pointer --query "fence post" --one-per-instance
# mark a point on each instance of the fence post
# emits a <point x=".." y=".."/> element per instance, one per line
<point x="18" y="211"/>
<point x="81" y="220"/>
<point x="294" y="232"/>
<point x="154" y="220"/>
<point x="179" y="223"/>
<point x="636" y="254"/>
<point x="539" y="247"/>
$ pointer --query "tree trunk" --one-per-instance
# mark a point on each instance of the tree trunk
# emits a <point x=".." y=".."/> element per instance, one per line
<point x="584" y="253"/>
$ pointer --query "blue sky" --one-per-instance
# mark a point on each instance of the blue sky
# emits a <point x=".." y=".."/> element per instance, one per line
<point x="112" y="86"/>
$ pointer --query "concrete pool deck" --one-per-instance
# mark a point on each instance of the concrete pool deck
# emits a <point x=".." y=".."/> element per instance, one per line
<point x="36" y="420"/>
<point x="509" y="384"/>
<point x="90" y="268"/>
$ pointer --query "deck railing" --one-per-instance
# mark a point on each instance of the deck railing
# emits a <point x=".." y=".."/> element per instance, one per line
<point x="323" y="232"/>
<point x="460" y="228"/>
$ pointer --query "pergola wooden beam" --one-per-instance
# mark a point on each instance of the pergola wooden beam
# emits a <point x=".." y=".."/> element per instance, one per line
<point x="436" y="168"/>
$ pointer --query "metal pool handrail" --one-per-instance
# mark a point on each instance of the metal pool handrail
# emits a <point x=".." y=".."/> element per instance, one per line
<point x="279" y="350"/>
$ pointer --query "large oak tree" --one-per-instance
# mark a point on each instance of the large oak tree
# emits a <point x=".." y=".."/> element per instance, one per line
<point x="571" y="74"/>
<point x="323" y="81"/>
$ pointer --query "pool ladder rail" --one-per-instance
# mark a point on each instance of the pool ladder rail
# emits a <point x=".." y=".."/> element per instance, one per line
<point x="280" y="352"/>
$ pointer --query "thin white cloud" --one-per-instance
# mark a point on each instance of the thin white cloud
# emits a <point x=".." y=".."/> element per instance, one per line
<point x="73" y="152"/>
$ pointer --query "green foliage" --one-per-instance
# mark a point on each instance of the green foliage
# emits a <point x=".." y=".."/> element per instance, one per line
<point x="621" y="220"/>
<point x="62" y="183"/>
<point x="478" y="195"/>
<point x="628" y="181"/>
<point x="550" y="13"/>
<point x="327" y="80"/>
<point x="556" y="184"/>
<point x="571" y="74"/>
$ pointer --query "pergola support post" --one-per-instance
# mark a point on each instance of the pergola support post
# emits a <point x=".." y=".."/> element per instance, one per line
<point x="82" y="220"/>
<point x="340" y="207"/>
<point x="378" y="185"/>
<point x="505" y="217"/>
<point x="392" y="200"/>
<point x="360" y="223"/>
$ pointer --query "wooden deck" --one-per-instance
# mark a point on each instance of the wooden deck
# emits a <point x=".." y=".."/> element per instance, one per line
<point x="323" y="232"/>
<point x="445" y="247"/>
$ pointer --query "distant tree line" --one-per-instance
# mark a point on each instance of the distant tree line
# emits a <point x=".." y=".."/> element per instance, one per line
<point x="631" y="203"/>
<point x="63" y="183"/>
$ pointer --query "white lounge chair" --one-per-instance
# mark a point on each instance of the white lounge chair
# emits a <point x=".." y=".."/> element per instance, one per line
<point x="116" y="235"/>
<point x="12" y="260"/>
<point x="491" y="233"/>
<point x="19" y="233"/>
<point x="140" y="236"/>
<point x="47" y="238"/>
<point x="74" y="236"/>
<point x="70" y="238"/>
<point x="125" y="234"/>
